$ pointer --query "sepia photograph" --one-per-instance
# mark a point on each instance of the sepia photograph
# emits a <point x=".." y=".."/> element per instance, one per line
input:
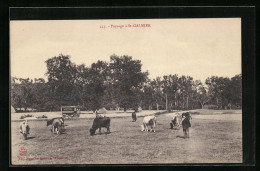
<point x="126" y="91"/>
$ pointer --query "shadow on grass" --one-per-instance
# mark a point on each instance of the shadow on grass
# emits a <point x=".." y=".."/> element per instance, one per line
<point x="175" y="128"/>
<point x="149" y="131"/>
<point x="179" y="136"/>
<point x="28" y="138"/>
<point x="102" y="133"/>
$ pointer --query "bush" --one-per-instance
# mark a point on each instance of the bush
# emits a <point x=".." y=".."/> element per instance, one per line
<point x="228" y="112"/>
<point x="194" y="113"/>
<point x="215" y="107"/>
<point x="25" y="116"/>
<point x="159" y="113"/>
<point x="43" y="116"/>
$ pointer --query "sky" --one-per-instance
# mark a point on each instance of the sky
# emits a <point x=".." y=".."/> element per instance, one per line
<point x="196" y="47"/>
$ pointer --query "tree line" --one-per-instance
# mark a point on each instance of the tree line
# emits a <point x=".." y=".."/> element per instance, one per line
<point x="120" y="83"/>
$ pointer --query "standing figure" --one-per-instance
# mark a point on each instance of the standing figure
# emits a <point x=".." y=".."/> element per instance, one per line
<point x="24" y="129"/>
<point x="186" y="124"/>
<point x="134" y="116"/>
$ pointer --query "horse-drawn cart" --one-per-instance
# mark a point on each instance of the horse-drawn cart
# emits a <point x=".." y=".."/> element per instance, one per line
<point x="70" y="111"/>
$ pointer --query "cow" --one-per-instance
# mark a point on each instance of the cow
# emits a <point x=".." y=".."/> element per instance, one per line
<point x="177" y="119"/>
<point x="186" y="124"/>
<point x="98" y="123"/>
<point x="134" y="116"/>
<point x="24" y="129"/>
<point x="49" y="122"/>
<point x="57" y="125"/>
<point x="148" y="121"/>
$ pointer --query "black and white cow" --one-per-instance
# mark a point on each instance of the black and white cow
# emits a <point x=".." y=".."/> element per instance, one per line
<point x="149" y="121"/>
<point x="49" y="122"/>
<point x="176" y="122"/>
<point x="57" y="125"/>
<point x="98" y="123"/>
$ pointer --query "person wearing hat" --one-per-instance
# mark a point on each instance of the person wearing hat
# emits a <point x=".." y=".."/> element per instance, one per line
<point x="186" y="124"/>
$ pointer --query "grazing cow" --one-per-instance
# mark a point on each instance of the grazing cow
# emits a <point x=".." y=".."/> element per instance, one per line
<point x="149" y="120"/>
<point x="50" y="122"/>
<point x="176" y="121"/>
<point x="24" y="129"/>
<point x="57" y="125"/>
<point x="98" y="123"/>
<point x="186" y="124"/>
<point x="134" y="116"/>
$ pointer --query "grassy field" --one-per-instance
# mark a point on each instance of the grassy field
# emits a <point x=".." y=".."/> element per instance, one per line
<point x="211" y="141"/>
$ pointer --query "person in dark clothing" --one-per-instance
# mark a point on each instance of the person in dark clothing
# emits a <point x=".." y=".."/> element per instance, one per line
<point x="134" y="116"/>
<point x="186" y="124"/>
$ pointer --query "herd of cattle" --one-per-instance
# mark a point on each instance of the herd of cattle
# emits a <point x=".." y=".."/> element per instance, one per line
<point x="57" y="124"/>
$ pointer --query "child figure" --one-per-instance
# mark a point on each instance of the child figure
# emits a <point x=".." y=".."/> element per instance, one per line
<point x="186" y="124"/>
<point x="24" y="127"/>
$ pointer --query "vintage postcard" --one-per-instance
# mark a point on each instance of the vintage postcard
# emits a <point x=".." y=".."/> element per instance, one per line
<point x="128" y="91"/>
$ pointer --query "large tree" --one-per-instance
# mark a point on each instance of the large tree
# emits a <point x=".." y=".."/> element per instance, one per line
<point x="157" y="86"/>
<point x="94" y="85"/>
<point x="236" y="83"/>
<point x="16" y="94"/>
<point x="41" y="94"/>
<point x="22" y="93"/>
<point x="220" y="90"/>
<point x="201" y="94"/>
<point x="61" y="74"/>
<point x="170" y="87"/>
<point x="186" y="90"/>
<point x="126" y="76"/>
<point x="148" y="96"/>
<point x="120" y="83"/>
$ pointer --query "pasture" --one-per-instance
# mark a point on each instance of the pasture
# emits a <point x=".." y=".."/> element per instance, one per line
<point x="212" y="140"/>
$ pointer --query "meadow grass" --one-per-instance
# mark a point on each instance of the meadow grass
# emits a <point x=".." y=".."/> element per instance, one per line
<point x="211" y="141"/>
